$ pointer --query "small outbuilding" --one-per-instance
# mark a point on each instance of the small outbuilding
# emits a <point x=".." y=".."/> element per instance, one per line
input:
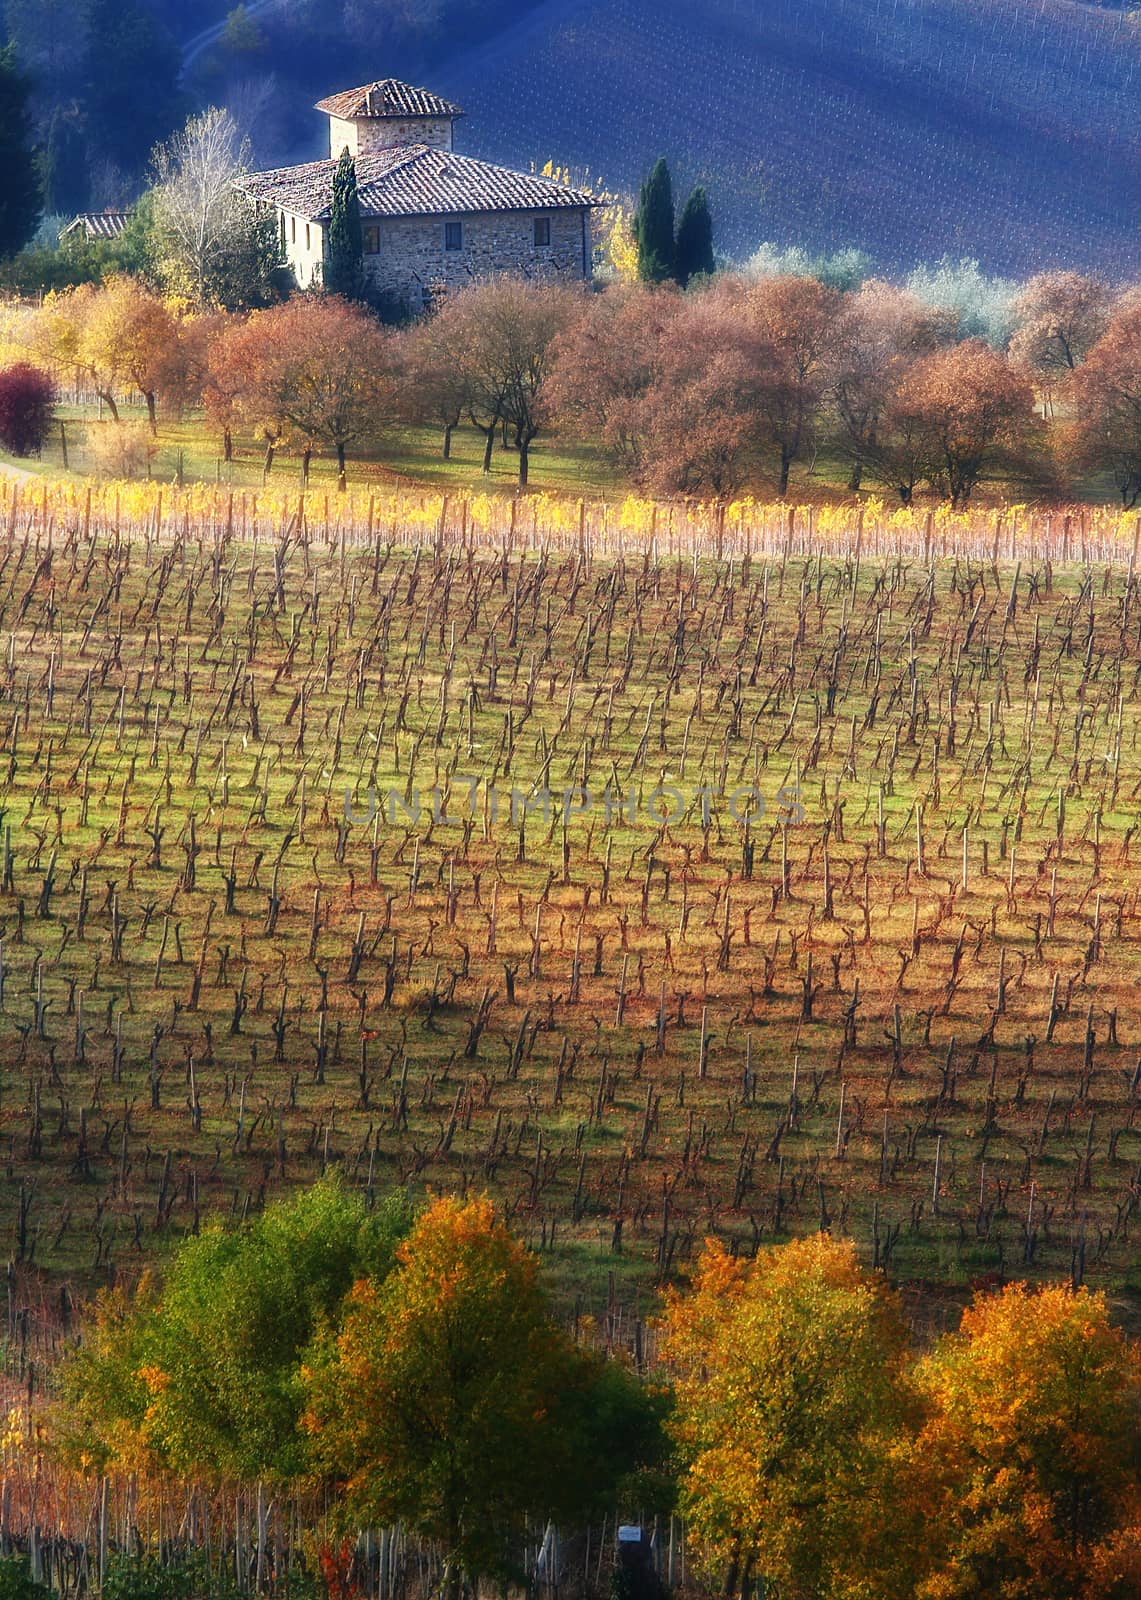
<point x="96" y="225"/>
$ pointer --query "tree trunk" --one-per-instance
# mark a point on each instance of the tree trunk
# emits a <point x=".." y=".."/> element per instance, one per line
<point x="785" y="464"/>
<point x="269" y="453"/>
<point x="489" y="449"/>
<point x="855" y="477"/>
<point x="340" y="458"/>
<point x="447" y="441"/>
<point x="452" y="1583"/>
<point x="524" y="460"/>
<point x="732" y="1573"/>
<point x="306" y="457"/>
<point x="108" y="400"/>
<point x="227" y="445"/>
<point x="152" y="415"/>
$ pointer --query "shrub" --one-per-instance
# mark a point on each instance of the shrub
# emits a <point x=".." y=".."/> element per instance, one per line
<point x="121" y="449"/>
<point x="26" y="399"/>
<point x="151" y="1577"/>
<point x="17" y="1583"/>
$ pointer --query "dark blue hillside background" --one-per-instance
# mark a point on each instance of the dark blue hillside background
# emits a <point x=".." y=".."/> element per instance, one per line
<point x="1007" y="130"/>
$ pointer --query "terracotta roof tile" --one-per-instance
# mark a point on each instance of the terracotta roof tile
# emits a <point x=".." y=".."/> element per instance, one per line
<point x="388" y="97"/>
<point x="411" y="181"/>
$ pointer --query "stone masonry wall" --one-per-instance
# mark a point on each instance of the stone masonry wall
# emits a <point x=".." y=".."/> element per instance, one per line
<point x="382" y="133"/>
<point x="412" y="258"/>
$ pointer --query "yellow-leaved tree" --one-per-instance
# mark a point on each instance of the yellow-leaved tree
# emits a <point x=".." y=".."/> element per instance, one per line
<point x="1030" y="1460"/>
<point x="453" y="1402"/>
<point x="615" y="248"/>
<point x="791" y="1405"/>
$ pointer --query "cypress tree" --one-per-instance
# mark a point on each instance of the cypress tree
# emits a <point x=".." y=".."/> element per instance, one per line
<point x="654" y="226"/>
<point x="344" y="265"/>
<point x="694" y="253"/>
<point x="19" y="186"/>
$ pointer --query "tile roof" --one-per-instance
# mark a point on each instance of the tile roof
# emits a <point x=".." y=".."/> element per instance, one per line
<point x="388" y="97"/>
<point x="97" y="224"/>
<point x="412" y="181"/>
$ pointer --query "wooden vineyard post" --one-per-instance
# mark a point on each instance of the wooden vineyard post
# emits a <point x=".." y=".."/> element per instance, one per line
<point x="938" y="1174"/>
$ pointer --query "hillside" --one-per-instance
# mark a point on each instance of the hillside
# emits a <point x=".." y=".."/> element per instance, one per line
<point x="910" y="128"/>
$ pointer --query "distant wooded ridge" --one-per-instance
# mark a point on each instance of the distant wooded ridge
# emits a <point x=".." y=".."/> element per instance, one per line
<point x="1004" y="132"/>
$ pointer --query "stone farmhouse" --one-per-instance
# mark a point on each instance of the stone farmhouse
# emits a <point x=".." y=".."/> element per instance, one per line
<point x="433" y="220"/>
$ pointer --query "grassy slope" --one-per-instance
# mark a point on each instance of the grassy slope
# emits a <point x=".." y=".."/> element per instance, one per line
<point x="189" y="449"/>
<point x="1005" y="130"/>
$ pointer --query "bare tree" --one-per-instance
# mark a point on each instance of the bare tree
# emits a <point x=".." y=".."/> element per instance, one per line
<point x="882" y="331"/>
<point x="500" y="338"/>
<point x="211" y="243"/>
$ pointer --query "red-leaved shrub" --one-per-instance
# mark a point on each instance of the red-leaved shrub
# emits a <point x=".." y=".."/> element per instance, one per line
<point x="27" y="396"/>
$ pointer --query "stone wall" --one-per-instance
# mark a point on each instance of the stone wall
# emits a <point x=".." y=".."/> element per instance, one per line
<point x="304" y="244"/>
<point x="382" y="133"/>
<point x="413" y="263"/>
<point x="412" y="259"/>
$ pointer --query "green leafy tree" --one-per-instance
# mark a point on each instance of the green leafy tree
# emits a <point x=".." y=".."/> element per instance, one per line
<point x="974" y="306"/>
<point x="101" y="1416"/>
<point x="20" y="188"/>
<point x="844" y="270"/>
<point x="206" y="1376"/>
<point x="344" y="264"/>
<point x="693" y="256"/>
<point x="454" y="1403"/>
<point x="654" y="226"/>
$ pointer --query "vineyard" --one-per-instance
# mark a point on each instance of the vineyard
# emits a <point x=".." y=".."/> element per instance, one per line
<point x="662" y="872"/>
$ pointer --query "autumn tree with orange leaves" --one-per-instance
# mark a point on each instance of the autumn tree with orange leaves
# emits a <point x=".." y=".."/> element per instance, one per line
<point x="433" y="391"/>
<point x="453" y="1402"/>
<point x="791" y="1399"/>
<point x="316" y="370"/>
<point x="882" y="332"/>
<point x="1061" y="316"/>
<point x="698" y="421"/>
<point x="1107" y="394"/>
<point x="499" y="339"/>
<point x="792" y="327"/>
<point x="693" y="393"/>
<point x="607" y="363"/>
<point x="130" y="331"/>
<point x="1029" y="1465"/>
<point x="967" y="414"/>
